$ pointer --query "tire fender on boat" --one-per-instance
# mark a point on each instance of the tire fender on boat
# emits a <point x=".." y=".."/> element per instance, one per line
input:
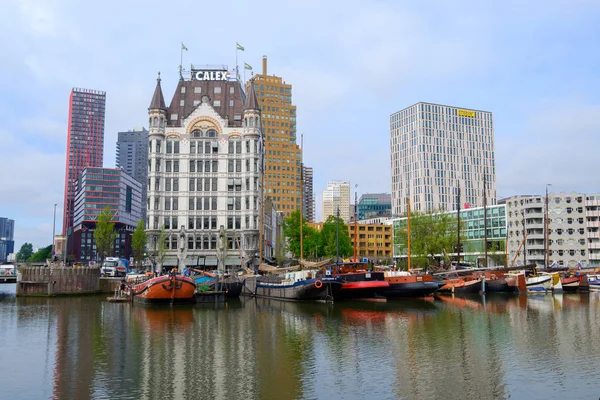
<point x="318" y="284"/>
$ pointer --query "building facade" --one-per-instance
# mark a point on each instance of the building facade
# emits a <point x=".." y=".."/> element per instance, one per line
<point x="132" y="157"/>
<point x="375" y="241"/>
<point x="571" y="235"/>
<point x="282" y="153"/>
<point x="440" y="156"/>
<point x="7" y="238"/>
<point x="473" y="237"/>
<point x="308" y="198"/>
<point x="374" y="205"/>
<point x="204" y="185"/>
<point x="98" y="188"/>
<point x="337" y="197"/>
<point x="85" y="142"/>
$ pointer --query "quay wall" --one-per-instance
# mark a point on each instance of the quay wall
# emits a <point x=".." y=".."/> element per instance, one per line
<point x="57" y="281"/>
<point x="109" y="285"/>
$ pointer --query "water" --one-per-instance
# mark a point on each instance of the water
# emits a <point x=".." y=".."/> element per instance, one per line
<point x="536" y="347"/>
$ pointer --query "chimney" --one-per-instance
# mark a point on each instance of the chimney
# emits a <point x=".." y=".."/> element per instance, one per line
<point x="264" y="72"/>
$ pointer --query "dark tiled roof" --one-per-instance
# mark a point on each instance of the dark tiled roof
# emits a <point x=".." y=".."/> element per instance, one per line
<point x="229" y="94"/>
<point x="158" y="101"/>
<point x="251" y="100"/>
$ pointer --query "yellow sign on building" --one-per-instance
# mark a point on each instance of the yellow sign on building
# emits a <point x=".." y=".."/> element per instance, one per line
<point x="466" y="113"/>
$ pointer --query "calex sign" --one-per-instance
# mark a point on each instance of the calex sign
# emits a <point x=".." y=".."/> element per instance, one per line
<point x="210" y="75"/>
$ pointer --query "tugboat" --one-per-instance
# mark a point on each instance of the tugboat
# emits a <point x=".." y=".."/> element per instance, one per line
<point x="171" y="288"/>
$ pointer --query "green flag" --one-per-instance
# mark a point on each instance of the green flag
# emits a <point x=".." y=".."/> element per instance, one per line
<point x="246" y="66"/>
<point x="239" y="46"/>
<point x="183" y="46"/>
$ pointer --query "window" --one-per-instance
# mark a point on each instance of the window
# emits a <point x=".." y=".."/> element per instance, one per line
<point x="176" y="147"/>
<point x="167" y="203"/>
<point x="168" y="166"/>
<point x="181" y="103"/>
<point x="192" y="147"/>
<point x="197" y="89"/>
<point x="191" y="204"/>
<point x="217" y="89"/>
<point x="207" y="165"/>
<point x="175" y="203"/>
<point x="229" y="222"/>
<point x="174" y="225"/>
<point x="196" y="102"/>
<point x="213" y="222"/>
<point x="213" y="201"/>
<point x="215" y="166"/>
<point x="175" y="184"/>
<point x="238" y="147"/>
<point x="168" y="184"/>
<point x="200" y="166"/>
<point x="158" y="146"/>
<point x="229" y="165"/>
<point x="128" y="199"/>
<point x="238" y="165"/>
<point x="192" y="184"/>
<point x="230" y="203"/>
<point x="183" y="89"/>
<point x="217" y="103"/>
<point x="174" y="117"/>
<point x="231" y="102"/>
<point x="214" y="184"/>
<point x="192" y="166"/>
<point x="198" y="203"/>
<point x="231" y="89"/>
<point x="169" y="147"/>
<point x="230" y="147"/>
<point x="211" y="133"/>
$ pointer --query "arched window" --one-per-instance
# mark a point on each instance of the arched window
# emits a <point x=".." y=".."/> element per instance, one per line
<point x="155" y="122"/>
<point x="196" y="133"/>
<point x="211" y="133"/>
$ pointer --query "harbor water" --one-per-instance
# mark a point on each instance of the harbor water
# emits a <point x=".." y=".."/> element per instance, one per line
<point x="517" y="347"/>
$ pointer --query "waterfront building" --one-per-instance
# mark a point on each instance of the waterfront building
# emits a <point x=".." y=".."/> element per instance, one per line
<point x="374" y="240"/>
<point x="85" y="142"/>
<point x="205" y="159"/>
<point x="571" y="234"/>
<point x="282" y="153"/>
<point x="96" y="189"/>
<point x="374" y="205"/>
<point x="308" y="199"/>
<point x="435" y="149"/>
<point x="7" y="238"/>
<point x="132" y="157"/>
<point x="472" y="233"/>
<point x="337" y="196"/>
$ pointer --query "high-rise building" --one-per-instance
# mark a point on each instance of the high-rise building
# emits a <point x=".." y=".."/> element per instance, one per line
<point x="308" y="199"/>
<point x="374" y="205"/>
<point x="282" y="154"/>
<point x="7" y="238"/>
<point x="96" y="189"/>
<point x="440" y="156"/>
<point x="132" y="156"/>
<point x="205" y="158"/>
<point x="85" y="142"/>
<point x="337" y="197"/>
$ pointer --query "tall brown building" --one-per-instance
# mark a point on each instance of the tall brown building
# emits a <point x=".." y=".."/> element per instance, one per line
<point x="282" y="154"/>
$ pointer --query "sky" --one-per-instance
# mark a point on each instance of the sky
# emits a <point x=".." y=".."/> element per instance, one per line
<point x="533" y="64"/>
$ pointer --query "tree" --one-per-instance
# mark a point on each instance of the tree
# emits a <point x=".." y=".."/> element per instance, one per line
<point x="161" y="248"/>
<point x="138" y="241"/>
<point x="25" y="252"/>
<point x="105" y="234"/>
<point x="41" y="255"/>
<point x="291" y="231"/>
<point x="328" y="240"/>
<point x="431" y="235"/>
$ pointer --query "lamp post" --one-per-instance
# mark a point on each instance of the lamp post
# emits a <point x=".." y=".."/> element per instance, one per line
<point x="53" y="231"/>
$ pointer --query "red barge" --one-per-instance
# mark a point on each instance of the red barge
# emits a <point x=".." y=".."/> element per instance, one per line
<point x="171" y="289"/>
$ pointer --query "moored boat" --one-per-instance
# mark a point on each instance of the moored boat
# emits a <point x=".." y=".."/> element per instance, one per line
<point x="594" y="282"/>
<point x="570" y="284"/>
<point x="358" y="283"/>
<point x="294" y="285"/>
<point x="460" y="286"/>
<point x="172" y="288"/>
<point x="404" y="284"/>
<point x="539" y="283"/>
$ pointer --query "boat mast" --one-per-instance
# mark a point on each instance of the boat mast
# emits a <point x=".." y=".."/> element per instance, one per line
<point x="546" y="231"/>
<point x="408" y="231"/>
<point x="458" y="226"/>
<point x="301" y="193"/>
<point x="355" y="227"/>
<point x="337" y="236"/>
<point x="485" y="242"/>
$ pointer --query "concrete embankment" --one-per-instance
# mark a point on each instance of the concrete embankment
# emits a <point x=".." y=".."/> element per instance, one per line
<point x="57" y="281"/>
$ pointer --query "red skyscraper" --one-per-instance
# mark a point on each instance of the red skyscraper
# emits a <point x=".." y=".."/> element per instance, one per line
<point x="85" y="142"/>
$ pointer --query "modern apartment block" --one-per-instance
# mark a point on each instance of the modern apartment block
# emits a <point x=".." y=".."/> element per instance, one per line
<point x="7" y="238"/>
<point x="570" y="236"/>
<point x="282" y="153"/>
<point x="437" y="150"/>
<point x="96" y="189"/>
<point x="337" y="197"/>
<point x="85" y="142"/>
<point x="374" y="205"/>
<point x="204" y="185"/>
<point x="308" y="198"/>
<point x="132" y="156"/>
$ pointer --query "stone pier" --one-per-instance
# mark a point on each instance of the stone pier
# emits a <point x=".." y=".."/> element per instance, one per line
<point x="57" y="281"/>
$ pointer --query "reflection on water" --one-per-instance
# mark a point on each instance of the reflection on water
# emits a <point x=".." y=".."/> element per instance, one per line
<point x="538" y="346"/>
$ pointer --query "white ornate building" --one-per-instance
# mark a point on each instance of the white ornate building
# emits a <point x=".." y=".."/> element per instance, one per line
<point x="204" y="162"/>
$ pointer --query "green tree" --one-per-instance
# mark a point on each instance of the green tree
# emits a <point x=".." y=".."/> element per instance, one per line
<point x="105" y="234"/>
<point x="291" y="231"/>
<point x="138" y="242"/>
<point x="328" y="242"/>
<point x="431" y="235"/>
<point x="25" y="252"/>
<point x="41" y="255"/>
<point x="161" y="247"/>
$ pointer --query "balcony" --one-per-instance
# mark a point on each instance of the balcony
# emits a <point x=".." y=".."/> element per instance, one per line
<point x="593" y="245"/>
<point x="593" y="235"/>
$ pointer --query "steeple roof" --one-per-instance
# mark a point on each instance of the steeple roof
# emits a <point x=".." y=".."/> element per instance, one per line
<point x="158" y="101"/>
<point x="251" y="100"/>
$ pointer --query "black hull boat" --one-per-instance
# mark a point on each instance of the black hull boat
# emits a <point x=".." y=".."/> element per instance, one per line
<point x="499" y="285"/>
<point x="294" y="287"/>
<point x="411" y="289"/>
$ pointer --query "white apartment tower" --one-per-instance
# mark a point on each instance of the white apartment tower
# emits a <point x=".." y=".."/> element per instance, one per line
<point x="337" y="195"/>
<point x="435" y="150"/>
<point x="204" y="163"/>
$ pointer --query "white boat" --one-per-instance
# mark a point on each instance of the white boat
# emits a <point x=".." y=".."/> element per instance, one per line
<point x="594" y="283"/>
<point x="540" y="283"/>
<point x="556" y="282"/>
